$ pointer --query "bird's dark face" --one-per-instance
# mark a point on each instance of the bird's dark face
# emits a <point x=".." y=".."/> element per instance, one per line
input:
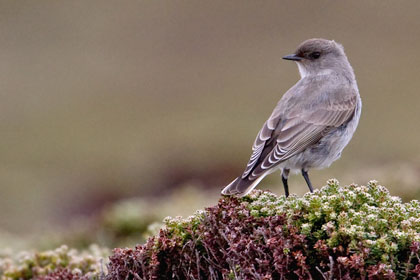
<point x="315" y="55"/>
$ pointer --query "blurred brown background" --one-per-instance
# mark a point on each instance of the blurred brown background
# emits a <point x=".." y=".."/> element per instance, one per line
<point x="105" y="100"/>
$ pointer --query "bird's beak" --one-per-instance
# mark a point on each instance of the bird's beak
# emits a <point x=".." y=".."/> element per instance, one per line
<point x="292" y="57"/>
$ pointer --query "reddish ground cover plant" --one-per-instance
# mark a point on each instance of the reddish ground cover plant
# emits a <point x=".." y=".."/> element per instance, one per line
<point x="336" y="233"/>
<point x="62" y="274"/>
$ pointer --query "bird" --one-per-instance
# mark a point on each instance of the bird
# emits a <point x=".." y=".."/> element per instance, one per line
<point x="311" y="124"/>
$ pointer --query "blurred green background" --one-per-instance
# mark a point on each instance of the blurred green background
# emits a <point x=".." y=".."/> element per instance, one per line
<point x="103" y="101"/>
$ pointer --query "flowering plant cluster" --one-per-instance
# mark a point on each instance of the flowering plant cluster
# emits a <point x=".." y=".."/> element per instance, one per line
<point x="354" y="232"/>
<point x="59" y="264"/>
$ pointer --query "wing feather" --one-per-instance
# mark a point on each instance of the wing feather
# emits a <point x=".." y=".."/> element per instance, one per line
<point x="284" y="136"/>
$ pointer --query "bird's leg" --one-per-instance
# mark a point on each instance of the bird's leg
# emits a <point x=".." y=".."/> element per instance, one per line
<point x="284" y="177"/>
<point x="305" y="175"/>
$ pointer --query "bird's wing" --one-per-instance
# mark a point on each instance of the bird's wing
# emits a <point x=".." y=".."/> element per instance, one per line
<point x="284" y="136"/>
<point x="264" y="136"/>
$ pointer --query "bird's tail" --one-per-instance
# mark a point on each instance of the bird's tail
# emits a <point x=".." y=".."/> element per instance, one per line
<point x="242" y="186"/>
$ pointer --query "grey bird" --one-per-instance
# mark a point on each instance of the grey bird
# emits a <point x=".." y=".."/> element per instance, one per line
<point x="312" y="122"/>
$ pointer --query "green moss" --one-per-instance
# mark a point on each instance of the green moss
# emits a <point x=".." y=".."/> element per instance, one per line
<point x="182" y="228"/>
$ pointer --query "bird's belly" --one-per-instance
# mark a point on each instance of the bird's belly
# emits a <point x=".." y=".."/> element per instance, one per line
<point x="325" y="152"/>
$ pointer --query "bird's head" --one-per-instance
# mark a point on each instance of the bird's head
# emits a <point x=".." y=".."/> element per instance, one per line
<point x="317" y="56"/>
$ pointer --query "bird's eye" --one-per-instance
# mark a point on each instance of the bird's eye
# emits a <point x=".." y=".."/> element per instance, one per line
<point x="315" y="55"/>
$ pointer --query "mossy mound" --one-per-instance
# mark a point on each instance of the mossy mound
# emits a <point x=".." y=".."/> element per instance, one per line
<point x="354" y="232"/>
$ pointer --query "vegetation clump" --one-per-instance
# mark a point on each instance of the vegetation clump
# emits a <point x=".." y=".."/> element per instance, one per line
<point x="354" y="232"/>
<point x="59" y="264"/>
